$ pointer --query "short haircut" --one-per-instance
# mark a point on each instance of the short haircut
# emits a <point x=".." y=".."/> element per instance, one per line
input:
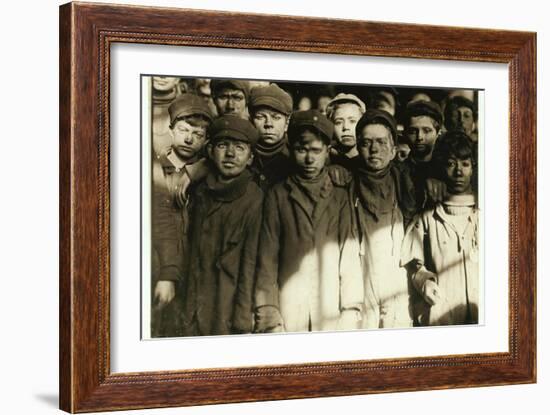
<point x="338" y="104"/>
<point x="456" y="144"/>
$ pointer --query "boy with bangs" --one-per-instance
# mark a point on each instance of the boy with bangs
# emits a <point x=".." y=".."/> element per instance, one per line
<point x="441" y="246"/>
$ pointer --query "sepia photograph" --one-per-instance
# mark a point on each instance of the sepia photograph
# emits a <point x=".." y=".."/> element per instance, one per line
<point x="281" y="206"/>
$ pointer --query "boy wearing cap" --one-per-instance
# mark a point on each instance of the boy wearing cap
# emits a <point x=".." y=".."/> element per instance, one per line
<point x="172" y="172"/>
<point x="441" y="246"/>
<point x="230" y="96"/>
<point x="309" y="273"/>
<point x="225" y="213"/>
<point x="345" y="110"/>
<point x="270" y="109"/>
<point x="383" y="200"/>
<point x="461" y="114"/>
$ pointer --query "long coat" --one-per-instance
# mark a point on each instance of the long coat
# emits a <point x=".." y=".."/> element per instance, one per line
<point x="309" y="265"/>
<point x="221" y="259"/>
<point x="432" y="240"/>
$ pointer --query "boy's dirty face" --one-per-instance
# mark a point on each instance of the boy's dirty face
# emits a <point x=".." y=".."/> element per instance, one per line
<point x="376" y="146"/>
<point x="458" y="175"/>
<point x="230" y="157"/>
<point x="310" y="154"/>
<point x="271" y="125"/>
<point x="188" y="139"/>
<point x="462" y="118"/>
<point x="422" y="135"/>
<point x="230" y="101"/>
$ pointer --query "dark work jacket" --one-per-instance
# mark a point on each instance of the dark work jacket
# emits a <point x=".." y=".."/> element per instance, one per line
<point x="221" y="259"/>
<point x="271" y="170"/>
<point x="419" y="173"/>
<point x="309" y="265"/>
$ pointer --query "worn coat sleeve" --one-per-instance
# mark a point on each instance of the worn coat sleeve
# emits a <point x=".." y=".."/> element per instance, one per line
<point x="243" y="310"/>
<point x="267" y="287"/>
<point x="351" y="275"/>
<point x="412" y="251"/>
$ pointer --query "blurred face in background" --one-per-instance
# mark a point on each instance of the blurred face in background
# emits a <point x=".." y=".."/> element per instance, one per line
<point x="385" y="101"/>
<point x="271" y="125"/>
<point x="462" y="118"/>
<point x="375" y="146"/>
<point x="345" y="118"/>
<point x="322" y="103"/>
<point x="164" y="83"/>
<point x="231" y="101"/>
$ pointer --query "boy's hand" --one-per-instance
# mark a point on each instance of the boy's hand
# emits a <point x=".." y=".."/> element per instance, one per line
<point x="431" y="292"/>
<point x="165" y="291"/>
<point x="349" y="320"/>
<point x="436" y="190"/>
<point x="268" y="319"/>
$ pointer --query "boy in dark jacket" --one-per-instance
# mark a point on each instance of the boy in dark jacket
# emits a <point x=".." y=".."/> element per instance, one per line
<point x="225" y="211"/>
<point x="309" y="272"/>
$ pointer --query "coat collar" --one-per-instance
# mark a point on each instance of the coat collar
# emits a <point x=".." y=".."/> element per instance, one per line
<point x="297" y="194"/>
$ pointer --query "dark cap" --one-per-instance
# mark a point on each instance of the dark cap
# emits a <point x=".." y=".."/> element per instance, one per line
<point x="234" y="127"/>
<point x="374" y="116"/>
<point x="428" y="108"/>
<point x="271" y="96"/>
<point x="310" y="118"/>
<point x="457" y="102"/>
<point x="188" y="104"/>
<point x="216" y="85"/>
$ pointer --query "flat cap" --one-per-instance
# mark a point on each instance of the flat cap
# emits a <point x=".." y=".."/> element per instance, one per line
<point x="188" y="104"/>
<point x="313" y="119"/>
<point x="216" y="85"/>
<point x="374" y="116"/>
<point x="428" y="108"/>
<point x="234" y="127"/>
<point x="271" y="96"/>
<point x="341" y="99"/>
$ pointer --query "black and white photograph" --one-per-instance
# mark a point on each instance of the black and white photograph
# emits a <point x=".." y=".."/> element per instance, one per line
<point x="283" y="207"/>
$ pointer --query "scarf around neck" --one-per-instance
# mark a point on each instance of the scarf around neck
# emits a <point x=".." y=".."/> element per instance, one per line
<point x="376" y="190"/>
<point x="311" y="187"/>
<point x="228" y="191"/>
<point x="269" y="150"/>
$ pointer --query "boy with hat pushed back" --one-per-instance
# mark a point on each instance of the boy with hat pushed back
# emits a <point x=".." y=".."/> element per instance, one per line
<point x="270" y="108"/>
<point x="384" y="203"/>
<point x="309" y="273"/>
<point x="230" y="96"/>
<point x="189" y="119"/>
<point x="225" y="211"/>
<point x="461" y="114"/>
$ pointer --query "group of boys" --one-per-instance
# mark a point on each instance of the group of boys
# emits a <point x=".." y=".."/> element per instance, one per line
<point x="267" y="219"/>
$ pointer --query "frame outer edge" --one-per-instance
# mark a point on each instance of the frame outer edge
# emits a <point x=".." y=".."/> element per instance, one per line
<point x="66" y="119"/>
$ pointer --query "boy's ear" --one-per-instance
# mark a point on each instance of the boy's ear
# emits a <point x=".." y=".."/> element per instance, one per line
<point x="251" y="159"/>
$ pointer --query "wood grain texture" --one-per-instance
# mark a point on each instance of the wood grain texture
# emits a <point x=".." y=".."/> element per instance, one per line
<point x="86" y="33"/>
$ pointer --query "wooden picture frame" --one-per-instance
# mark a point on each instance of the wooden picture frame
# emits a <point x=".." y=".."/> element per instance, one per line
<point x="86" y="33"/>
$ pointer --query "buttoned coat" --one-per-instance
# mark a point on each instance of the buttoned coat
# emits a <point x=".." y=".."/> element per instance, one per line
<point x="309" y="265"/>
<point x="432" y="240"/>
<point x="221" y="259"/>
